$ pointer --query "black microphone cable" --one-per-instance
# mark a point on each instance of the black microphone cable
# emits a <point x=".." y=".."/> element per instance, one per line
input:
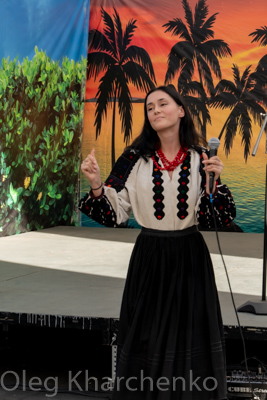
<point x="253" y="395"/>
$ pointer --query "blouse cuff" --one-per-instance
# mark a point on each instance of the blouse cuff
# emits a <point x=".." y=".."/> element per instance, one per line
<point x="96" y="197"/>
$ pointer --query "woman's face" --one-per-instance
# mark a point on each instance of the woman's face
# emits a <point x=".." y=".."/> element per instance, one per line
<point x="163" y="112"/>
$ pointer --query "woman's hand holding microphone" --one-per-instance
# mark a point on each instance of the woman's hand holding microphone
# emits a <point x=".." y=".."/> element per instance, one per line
<point x="212" y="164"/>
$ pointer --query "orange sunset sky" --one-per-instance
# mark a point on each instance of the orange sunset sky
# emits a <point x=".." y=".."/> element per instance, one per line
<point x="234" y="22"/>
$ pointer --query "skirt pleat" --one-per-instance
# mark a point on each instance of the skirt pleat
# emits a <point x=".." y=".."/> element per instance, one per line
<point x="170" y="340"/>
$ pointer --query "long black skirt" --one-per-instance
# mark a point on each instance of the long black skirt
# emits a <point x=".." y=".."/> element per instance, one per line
<point x="170" y="340"/>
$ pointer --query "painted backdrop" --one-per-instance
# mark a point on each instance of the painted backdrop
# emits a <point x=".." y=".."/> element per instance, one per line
<point x="43" y="49"/>
<point x="214" y="52"/>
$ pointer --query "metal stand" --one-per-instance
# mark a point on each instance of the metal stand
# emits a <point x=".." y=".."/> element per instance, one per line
<point x="113" y="362"/>
<point x="260" y="306"/>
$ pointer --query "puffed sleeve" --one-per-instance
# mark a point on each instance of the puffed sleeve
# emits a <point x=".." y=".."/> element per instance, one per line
<point x="113" y="207"/>
<point x="223" y="205"/>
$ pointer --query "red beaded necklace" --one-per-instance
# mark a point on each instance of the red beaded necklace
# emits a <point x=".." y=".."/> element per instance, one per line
<point x="170" y="165"/>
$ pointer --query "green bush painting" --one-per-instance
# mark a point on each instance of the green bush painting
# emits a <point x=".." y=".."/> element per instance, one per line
<point x="41" y="121"/>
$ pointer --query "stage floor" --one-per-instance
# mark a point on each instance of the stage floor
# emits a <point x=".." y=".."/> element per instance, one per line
<point x="80" y="272"/>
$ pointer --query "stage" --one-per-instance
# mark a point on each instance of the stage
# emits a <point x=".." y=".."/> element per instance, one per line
<point x="74" y="277"/>
<point x="61" y="289"/>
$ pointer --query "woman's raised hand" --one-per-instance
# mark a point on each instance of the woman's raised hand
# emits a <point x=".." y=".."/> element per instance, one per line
<point x="91" y="170"/>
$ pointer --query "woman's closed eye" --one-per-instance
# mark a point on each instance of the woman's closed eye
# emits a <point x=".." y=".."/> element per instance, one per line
<point x="151" y="108"/>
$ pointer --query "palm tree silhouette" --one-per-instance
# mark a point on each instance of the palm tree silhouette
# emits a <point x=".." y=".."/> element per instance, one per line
<point x="242" y="96"/>
<point x="111" y="53"/>
<point x="260" y="75"/>
<point x="260" y="35"/>
<point x="260" y="79"/>
<point x="194" y="94"/>
<point x="197" y="53"/>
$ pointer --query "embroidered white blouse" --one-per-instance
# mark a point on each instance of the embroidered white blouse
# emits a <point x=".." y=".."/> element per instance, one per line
<point x="158" y="201"/>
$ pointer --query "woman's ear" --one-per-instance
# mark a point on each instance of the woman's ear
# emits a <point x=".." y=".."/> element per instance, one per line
<point x="181" y="112"/>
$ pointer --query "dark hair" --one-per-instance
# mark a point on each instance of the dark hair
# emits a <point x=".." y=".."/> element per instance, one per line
<point x="148" y="140"/>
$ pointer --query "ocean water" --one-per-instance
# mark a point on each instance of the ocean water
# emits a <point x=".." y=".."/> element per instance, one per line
<point x="246" y="180"/>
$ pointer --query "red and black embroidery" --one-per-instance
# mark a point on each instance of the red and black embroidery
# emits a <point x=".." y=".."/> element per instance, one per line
<point x="224" y="209"/>
<point x="223" y="202"/>
<point x="121" y="170"/>
<point x="100" y="210"/>
<point x="158" y="190"/>
<point x="183" y="188"/>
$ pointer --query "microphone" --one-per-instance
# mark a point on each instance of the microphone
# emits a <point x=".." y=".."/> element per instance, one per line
<point x="213" y="144"/>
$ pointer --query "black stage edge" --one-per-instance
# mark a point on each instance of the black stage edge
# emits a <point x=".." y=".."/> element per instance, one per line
<point x="104" y="325"/>
<point x="107" y="326"/>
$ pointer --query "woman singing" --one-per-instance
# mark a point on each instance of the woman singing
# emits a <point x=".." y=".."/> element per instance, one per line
<point x="170" y="339"/>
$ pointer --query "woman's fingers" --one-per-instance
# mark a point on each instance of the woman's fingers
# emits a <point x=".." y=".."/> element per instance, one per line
<point x="91" y="169"/>
<point x="90" y="164"/>
<point x="213" y="164"/>
<point x="212" y="160"/>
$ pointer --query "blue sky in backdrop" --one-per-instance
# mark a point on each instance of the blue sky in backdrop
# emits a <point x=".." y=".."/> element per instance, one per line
<point x="58" y="27"/>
